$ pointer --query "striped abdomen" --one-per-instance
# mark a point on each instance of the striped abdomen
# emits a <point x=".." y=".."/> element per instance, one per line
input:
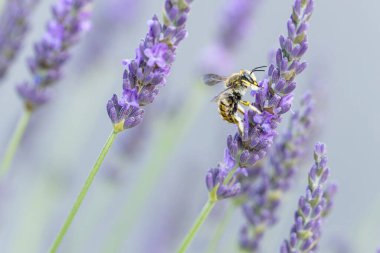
<point x="228" y="104"/>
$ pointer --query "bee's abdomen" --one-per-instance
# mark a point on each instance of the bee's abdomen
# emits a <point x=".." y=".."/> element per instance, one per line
<point x="228" y="108"/>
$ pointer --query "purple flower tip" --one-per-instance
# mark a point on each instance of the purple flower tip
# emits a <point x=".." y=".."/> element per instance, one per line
<point x="33" y="96"/>
<point x="218" y="188"/>
<point x="123" y="113"/>
<point x="320" y="148"/>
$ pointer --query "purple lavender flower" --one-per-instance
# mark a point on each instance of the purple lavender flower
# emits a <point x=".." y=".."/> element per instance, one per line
<point x="312" y="208"/>
<point x="263" y="188"/>
<point x="148" y="70"/>
<point x="274" y="97"/>
<point x="70" y="19"/>
<point x="118" y="14"/>
<point x="13" y="27"/>
<point x="234" y="24"/>
<point x="236" y="17"/>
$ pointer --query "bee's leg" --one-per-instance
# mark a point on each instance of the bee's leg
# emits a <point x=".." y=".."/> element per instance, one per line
<point x="253" y="108"/>
<point x="241" y="109"/>
<point x="240" y="124"/>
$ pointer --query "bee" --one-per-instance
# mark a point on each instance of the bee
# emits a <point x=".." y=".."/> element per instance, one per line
<point x="230" y="101"/>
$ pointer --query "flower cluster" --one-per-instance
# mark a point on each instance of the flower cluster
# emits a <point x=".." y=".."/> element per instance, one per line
<point x="148" y="70"/>
<point x="274" y="97"/>
<point x="263" y="188"/>
<point x="312" y="207"/>
<point x="233" y="27"/>
<point x="13" y="27"/>
<point x="70" y="19"/>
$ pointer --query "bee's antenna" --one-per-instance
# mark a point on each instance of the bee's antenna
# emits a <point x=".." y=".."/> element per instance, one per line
<point x="257" y="69"/>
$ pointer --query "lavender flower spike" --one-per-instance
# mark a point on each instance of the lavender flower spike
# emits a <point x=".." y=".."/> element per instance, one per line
<point x="274" y="97"/>
<point x="263" y="188"/>
<point x="148" y="70"/>
<point x="306" y="232"/>
<point x="13" y="27"/>
<point x="233" y="28"/>
<point x="237" y="14"/>
<point x="70" y="19"/>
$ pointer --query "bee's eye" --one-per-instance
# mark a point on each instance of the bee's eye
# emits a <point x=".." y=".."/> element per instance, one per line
<point x="248" y="77"/>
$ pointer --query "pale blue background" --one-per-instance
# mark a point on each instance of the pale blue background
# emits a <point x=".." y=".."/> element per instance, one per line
<point x="65" y="137"/>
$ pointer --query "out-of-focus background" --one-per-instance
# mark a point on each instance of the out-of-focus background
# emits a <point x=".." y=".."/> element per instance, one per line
<point x="65" y="137"/>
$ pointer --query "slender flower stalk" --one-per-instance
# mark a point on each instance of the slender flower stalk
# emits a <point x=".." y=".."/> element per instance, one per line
<point x="141" y="81"/>
<point x="169" y="138"/>
<point x="274" y="99"/>
<point x="70" y="19"/>
<point x="221" y="228"/>
<point x="264" y="187"/>
<point x="83" y="192"/>
<point x="220" y="186"/>
<point x="13" y="28"/>
<point x="197" y="224"/>
<point x="312" y="208"/>
<point x="14" y="143"/>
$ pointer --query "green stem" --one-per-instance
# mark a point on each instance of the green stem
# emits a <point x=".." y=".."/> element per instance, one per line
<point x="167" y="141"/>
<point x="83" y="192"/>
<point x="200" y="220"/>
<point x="213" y="198"/>
<point x="14" y="142"/>
<point x="215" y="241"/>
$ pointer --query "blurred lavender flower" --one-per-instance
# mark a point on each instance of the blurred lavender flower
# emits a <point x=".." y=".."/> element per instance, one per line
<point x="118" y="14"/>
<point x="312" y="208"/>
<point x="70" y="19"/>
<point x="261" y="199"/>
<point x="233" y="27"/>
<point x="236" y="17"/>
<point x="147" y="72"/>
<point x="13" y="27"/>
<point x="274" y="99"/>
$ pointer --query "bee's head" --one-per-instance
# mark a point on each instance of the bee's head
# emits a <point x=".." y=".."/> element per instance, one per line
<point x="252" y="78"/>
<point x="248" y="79"/>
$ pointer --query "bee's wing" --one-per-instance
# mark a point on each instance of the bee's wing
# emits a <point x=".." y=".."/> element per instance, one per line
<point x="212" y="79"/>
<point x="216" y="98"/>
